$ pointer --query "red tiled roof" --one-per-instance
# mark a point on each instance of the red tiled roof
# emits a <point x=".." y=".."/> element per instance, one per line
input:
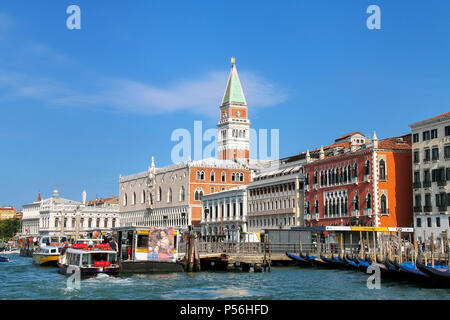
<point x="348" y="135"/>
<point x="441" y="115"/>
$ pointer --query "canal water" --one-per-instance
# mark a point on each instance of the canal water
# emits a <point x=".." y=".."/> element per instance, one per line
<point x="20" y="279"/>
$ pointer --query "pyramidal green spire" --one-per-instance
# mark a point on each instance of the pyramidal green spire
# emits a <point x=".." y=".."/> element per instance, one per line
<point x="233" y="92"/>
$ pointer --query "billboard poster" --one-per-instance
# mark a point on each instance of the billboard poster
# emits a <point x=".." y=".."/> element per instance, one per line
<point x="160" y="243"/>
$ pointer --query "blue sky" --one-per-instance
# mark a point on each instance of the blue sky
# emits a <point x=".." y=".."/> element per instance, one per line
<point x="80" y="107"/>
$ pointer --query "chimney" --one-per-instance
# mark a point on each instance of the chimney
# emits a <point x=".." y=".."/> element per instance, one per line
<point x="375" y="140"/>
<point x="321" y="153"/>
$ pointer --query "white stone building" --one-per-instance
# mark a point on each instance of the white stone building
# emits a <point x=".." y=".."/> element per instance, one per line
<point x="225" y="213"/>
<point x="276" y="197"/>
<point x="57" y="215"/>
<point x="431" y="175"/>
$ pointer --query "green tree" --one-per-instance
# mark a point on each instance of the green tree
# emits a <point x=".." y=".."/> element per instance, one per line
<point x="9" y="227"/>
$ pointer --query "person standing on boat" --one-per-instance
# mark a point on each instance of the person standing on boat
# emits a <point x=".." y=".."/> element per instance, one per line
<point x="113" y="244"/>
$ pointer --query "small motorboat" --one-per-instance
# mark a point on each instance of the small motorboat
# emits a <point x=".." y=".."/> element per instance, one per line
<point x="46" y="256"/>
<point x="89" y="259"/>
<point x="299" y="260"/>
<point x="439" y="275"/>
<point x="4" y="259"/>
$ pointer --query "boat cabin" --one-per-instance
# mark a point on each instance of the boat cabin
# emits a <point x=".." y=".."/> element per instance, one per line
<point x="52" y="240"/>
<point x="147" y="243"/>
<point x="96" y="257"/>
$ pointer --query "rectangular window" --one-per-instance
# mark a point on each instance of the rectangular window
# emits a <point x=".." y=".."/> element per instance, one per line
<point x="416" y="157"/>
<point x="418" y="222"/>
<point x="435" y="154"/>
<point x="426" y="155"/>
<point x="426" y="176"/>
<point x="429" y="222"/>
<point x="428" y="200"/>
<point x="416" y="176"/>
<point x="426" y="135"/>
<point x="418" y="200"/>
<point x="434" y="134"/>
<point x="415" y="137"/>
<point x="447" y="131"/>
<point x="438" y="222"/>
<point x="447" y="152"/>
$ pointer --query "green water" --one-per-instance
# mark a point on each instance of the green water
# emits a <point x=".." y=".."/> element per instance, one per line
<point x="20" y="279"/>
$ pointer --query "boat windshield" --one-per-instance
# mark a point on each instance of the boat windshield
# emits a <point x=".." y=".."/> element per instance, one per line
<point x="91" y="258"/>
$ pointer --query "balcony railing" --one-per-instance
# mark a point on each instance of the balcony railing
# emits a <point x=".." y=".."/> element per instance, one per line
<point x="427" y="209"/>
<point x="427" y="184"/>
<point x="418" y="209"/>
<point x="442" y="208"/>
<point x="417" y="185"/>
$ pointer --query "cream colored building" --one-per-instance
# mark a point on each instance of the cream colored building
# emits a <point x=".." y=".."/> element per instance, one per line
<point x="431" y="175"/>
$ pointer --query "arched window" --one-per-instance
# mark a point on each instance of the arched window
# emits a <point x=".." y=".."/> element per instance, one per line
<point x="383" y="204"/>
<point x="182" y="194"/>
<point x="125" y="199"/>
<point x="233" y="176"/>
<point x="241" y="177"/>
<point x="133" y="199"/>
<point x="213" y="176"/>
<point x="367" y="168"/>
<point x="169" y="195"/>
<point x="198" y="194"/>
<point x="382" y="170"/>
<point x="143" y="196"/>
<point x="158" y="197"/>
<point x="356" y="202"/>
<point x="369" y="201"/>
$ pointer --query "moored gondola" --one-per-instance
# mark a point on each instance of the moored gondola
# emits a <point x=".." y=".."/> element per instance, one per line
<point x="361" y="263"/>
<point x="318" y="262"/>
<point x="410" y="273"/>
<point x="439" y="275"/>
<point x="299" y="260"/>
<point x="4" y="259"/>
<point x="350" y="263"/>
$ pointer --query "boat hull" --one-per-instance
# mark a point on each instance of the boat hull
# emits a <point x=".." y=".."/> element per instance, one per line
<point x="4" y="259"/>
<point x="438" y="278"/>
<point x="150" y="266"/>
<point x="299" y="260"/>
<point x="89" y="272"/>
<point x="45" y="259"/>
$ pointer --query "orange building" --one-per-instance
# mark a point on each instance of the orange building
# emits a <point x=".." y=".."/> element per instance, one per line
<point x="358" y="182"/>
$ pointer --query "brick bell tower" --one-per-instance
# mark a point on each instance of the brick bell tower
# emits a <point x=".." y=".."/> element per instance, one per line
<point x="234" y="127"/>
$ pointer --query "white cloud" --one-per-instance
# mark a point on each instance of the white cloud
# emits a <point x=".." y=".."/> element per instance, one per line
<point x="201" y="96"/>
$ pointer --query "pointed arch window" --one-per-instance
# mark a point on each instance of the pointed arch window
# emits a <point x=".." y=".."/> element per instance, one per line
<point x="382" y="170"/>
<point x="169" y="195"/>
<point x="159" y="195"/>
<point x="367" y="168"/>
<point x="133" y="201"/>
<point x="383" y="204"/>
<point x="198" y="194"/>
<point x="125" y="200"/>
<point x="182" y="194"/>
<point x="233" y="176"/>
<point x="213" y="176"/>
<point x="224" y="177"/>
<point x="368" y="201"/>
<point x="143" y="196"/>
